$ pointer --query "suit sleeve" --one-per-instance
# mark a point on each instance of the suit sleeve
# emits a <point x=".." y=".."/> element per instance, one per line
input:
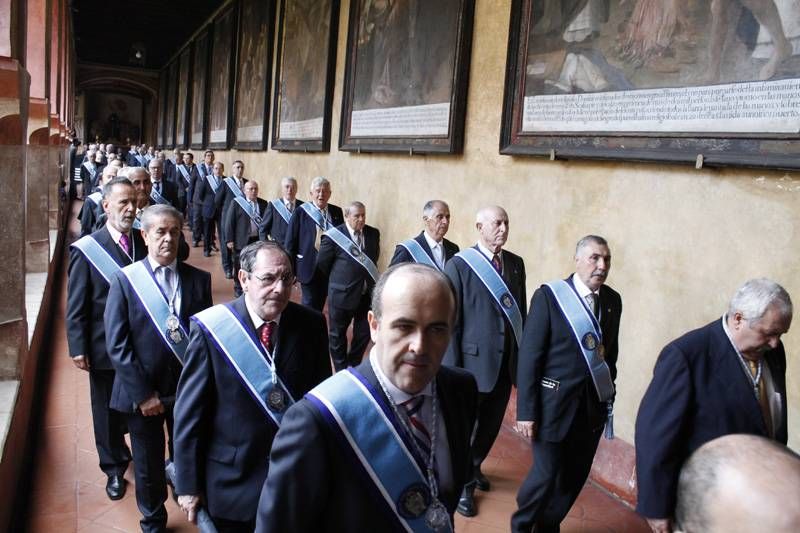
<point x="292" y="241"/>
<point x="322" y="370"/>
<point x="128" y="367"/>
<point x="531" y="358"/>
<point x="523" y="303"/>
<point x="199" y="187"/>
<point x="219" y="196"/>
<point x="296" y="489"/>
<point x="326" y="255"/>
<point x="229" y="225"/>
<point x="88" y="217"/>
<point x="79" y="304"/>
<point x="266" y="223"/>
<point x="660" y="434"/>
<point x="613" y="346"/>
<point x="378" y="240"/>
<point x="401" y="255"/>
<point x="453" y="355"/>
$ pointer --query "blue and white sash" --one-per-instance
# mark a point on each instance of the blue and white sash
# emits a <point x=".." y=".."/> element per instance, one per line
<point x="253" y="214"/>
<point x="358" y="412"/>
<point x="280" y="207"/>
<point x="157" y="198"/>
<point x="141" y="160"/>
<point x="353" y="251"/>
<point x="185" y="173"/>
<point x="231" y="182"/>
<point x="245" y="354"/>
<point x="137" y="224"/>
<point x="201" y="169"/>
<point x="213" y="182"/>
<point x="92" y="170"/>
<point x="97" y="256"/>
<point x="418" y="253"/>
<point x="496" y="286"/>
<point x="96" y="197"/>
<point x="316" y="215"/>
<point x="588" y="334"/>
<point x="152" y="298"/>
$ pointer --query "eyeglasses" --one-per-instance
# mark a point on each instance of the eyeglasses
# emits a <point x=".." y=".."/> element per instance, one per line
<point x="269" y="280"/>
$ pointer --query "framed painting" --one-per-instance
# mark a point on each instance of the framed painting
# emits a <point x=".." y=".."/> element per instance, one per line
<point x="220" y="80"/>
<point x="184" y="84"/>
<point x="172" y="104"/>
<point x="305" y="71"/>
<point x="654" y="80"/>
<point x="199" y="105"/>
<point x="406" y="76"/>
<point x="253" y="74"/>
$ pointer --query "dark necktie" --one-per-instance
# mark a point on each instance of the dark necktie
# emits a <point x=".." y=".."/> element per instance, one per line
<point x="591" y="301"/>
<point x="266" y="334"/>
<point x="125" y="243"/>
<point x="496" y="264"/>
<point x="158" y="187"/>
<point x="359" y="239"/>
<point x="413" y="407"/>
<point x="763" y="401"/>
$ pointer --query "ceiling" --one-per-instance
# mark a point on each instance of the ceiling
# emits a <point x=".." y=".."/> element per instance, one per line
<point x="110" y="31"/>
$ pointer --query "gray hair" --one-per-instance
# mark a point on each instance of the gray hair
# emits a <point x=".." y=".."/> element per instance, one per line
<point x="290" y="179"/>
<point x="124" y="172"/>
<point x="420" y="269"/>
<point x="152" y="212"/>
<point x="109" y="169"/>
<point x="320" y="181"/>
<point x="354" y="204"/>
<point x="596" y="239"/>
<point x="135" y="170"/>
<point x="427" y="209"/>
<point x="108" y="188"/>
<point x="249" y="254"/>
<point x="756" y="296"/>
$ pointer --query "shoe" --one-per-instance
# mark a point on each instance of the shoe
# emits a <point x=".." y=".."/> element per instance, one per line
<point x="482" y="482"/>
<point x="214" y="247"/>
<point x="115" y="487"/>
<point x="206" y="253"/>
<point x="195" y="244"/>
<point x="466" y="503"/>
<point x="228" y="274"/>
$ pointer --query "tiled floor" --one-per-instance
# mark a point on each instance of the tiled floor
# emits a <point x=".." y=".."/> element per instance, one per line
<point x="68" y="488"/>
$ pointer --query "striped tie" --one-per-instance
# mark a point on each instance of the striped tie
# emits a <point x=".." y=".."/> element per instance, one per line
<point x="420" y="433"/>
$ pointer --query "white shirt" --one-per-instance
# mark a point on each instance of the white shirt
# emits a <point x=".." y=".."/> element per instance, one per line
<point x="175" y="306"/>
<point x="353" y="235"/>
<point x="257" y="320"/>
<point x="289" y="204"/>
<point x="437" y="248"/>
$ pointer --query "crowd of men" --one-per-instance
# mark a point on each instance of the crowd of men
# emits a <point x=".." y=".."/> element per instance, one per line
<point x="276" y="420"/>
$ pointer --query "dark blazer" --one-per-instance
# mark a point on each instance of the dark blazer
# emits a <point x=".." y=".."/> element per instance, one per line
<point x="479" y="337"/>
<point x="549" y="350"/>
<point x="204" y="196"/>
<point x="237" y="224"/>
<point x="143" y="363"/>
<point x="224" y="197"/>
<point x="87" y="179"/>
<point x="222" y="437"/>
<point x="300" y="237"/>
<point x="89" y="214"/>
<point x="312" y="487"/>
<point x="345" y="275"/>
<point x="87" y="291"/>
<point x="699" y="392"/>
<point x="401" y="255"/>
<point x="169" y="191"/>
<point x="194" y="175"/>
<point x="274" y="225"/>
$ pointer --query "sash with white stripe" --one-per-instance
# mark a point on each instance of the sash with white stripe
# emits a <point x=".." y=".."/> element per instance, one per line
<point x="141" y="160"/>
<point x="212" y="181"/>
<point x="244" y="354"/>
<point x="253" y="214"/>
<point x="316" y="215"/>
<point x="96" y="197"/>
<point x="496" y="286"/>
<point x="588" y="334"/>
<point x="97" y="256"/>
<point x="150" y="295"/>
<point x="353" y="251"/>
<point x="201" y="169"/>
<point x="185" y="173"/>
<point x="280" y="207"/>
<point x="418" y="253"/>
<point x="358" y="412"/>
<point x="157" y="198"/>
<point x="231" y="182"/>
<point x="92" y="170"/>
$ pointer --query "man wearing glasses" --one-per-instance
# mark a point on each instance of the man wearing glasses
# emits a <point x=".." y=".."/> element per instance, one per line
<point x="247" y="362"/>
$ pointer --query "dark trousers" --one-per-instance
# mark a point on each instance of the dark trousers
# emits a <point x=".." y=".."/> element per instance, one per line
<point x="233" y="526"/>
<point x="315" y="292"/>
<point x="197" y="222"/>
<point x="225" y="253"/>
<point x="339" y="320"/>
<point x="109" y="425"/>
<point x="209" y="226"/>
<point x="559" y="471"/>
<point x="491" y="409"/>
<point x="147" y="441"/>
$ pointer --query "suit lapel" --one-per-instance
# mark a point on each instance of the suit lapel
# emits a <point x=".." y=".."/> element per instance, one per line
<point x="113" y="248"/>
<point x="424" y="243"/>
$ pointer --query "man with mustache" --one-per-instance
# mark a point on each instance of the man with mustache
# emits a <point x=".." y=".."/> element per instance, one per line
<point x="726" y="377"/>
<point x="565" y="384"/>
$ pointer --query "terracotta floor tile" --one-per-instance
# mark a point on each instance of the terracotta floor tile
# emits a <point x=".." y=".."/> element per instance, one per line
<point x="92" y="502"/>
<point x="49" y="523"/>
<point x="56" y="498"/>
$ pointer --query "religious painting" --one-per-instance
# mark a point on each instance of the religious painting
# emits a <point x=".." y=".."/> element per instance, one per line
<point x="406" y="75"/>
<point x="163" y="80"/>
<point x="172" y="104"/>
<point x="182" y="120"/>
<point x="253" y="73"/>
<point x="220" y="80"/>
<point x="655" y="80"/>
<point x="199" y="107"/>
<point x="114" y="117"/>
<point x="306" y="63"/>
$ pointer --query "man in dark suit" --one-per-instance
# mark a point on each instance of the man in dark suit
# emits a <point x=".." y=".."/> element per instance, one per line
<point x="303" y="239"/>
<point x="188" y="174"/>
<point x="562" y="401"/>
<point x="726" y="377"/>
<point x="204" y="193"/>
<point x="163" y="191"/>
<point x="485" y="340"/>
<point x="92" y="207"/>
<point x="316" y="481"/>
<point x="241" y="225"/>
<point x="89" y="171"/>
<point x="231" y="187"/>
<point x="147" y="316"/>
<point x="87" y="290"/>
<point x="280" y="211"/>
<point x="224" y="430"/>
<point x="436" y="217"/>
<point x="351" y="278"/>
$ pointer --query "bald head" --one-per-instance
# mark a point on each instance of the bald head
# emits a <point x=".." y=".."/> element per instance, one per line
<point x="739" y="483"/>
<point x="492" y="225"/>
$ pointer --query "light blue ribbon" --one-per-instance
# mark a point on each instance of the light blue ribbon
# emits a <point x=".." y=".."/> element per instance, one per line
<point x="281" y="209"/>
<point x="244" y="204"/>
<point x="316" y="215"/>
<point x="353" y="251"/>
<point x="418" y="253"/>
<point x="234" y="187"/>
<point x="97" y="256"/>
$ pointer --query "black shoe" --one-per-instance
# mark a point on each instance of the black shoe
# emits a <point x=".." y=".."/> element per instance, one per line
<point x="195" y="244"/>
<point x="206" y="253"/>
<point x="228" y="274"/>
<point x="115" y="487"/>
<point x="482" y="482"/>
<point x="466" y="504"/>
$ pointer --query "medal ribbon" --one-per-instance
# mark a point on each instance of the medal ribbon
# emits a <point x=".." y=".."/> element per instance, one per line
<point x="349" y="246"/>
<point x="97" y="256"/>
<point x="418" y="253"/>
<point x="231" y="182"/>
<point x="280" y="207"/>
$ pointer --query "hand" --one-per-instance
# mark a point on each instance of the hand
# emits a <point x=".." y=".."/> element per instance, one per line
<point x="152" y="406"/>
<point x="660" y="525"/>
<point x="526" y="428"/>
<point x="229" y="245"/>
<point x="189" y="503"/>
<point x="81" y="362"/>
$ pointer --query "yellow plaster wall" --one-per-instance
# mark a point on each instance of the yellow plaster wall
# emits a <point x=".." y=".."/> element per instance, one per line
<point x="682" y="240"/>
